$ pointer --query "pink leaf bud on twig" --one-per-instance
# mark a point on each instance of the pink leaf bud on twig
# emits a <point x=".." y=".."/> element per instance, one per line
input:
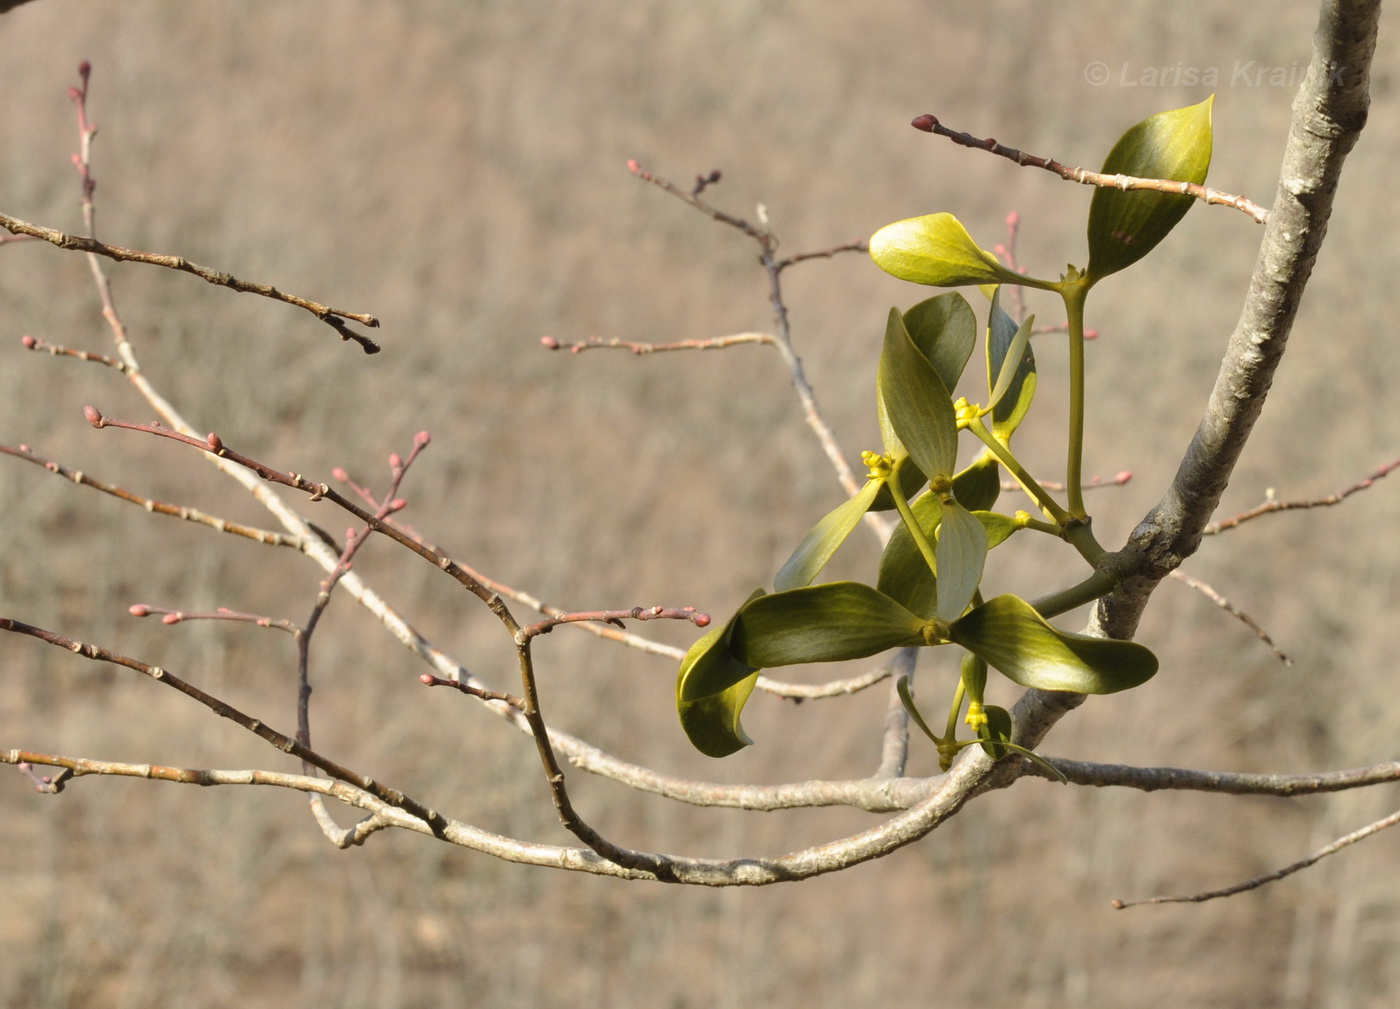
<point x="549" y="342"/>
<point x="139" y="610"/>
<point x="28" y="342"/>
<point x="340" y="474"/>
<point x="93" y="415"/>
<point x="421" y="439"/>
<point x="215" y="442"/>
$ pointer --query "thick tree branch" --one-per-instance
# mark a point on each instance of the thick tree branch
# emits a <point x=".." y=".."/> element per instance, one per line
<point x="1328" y="116"/>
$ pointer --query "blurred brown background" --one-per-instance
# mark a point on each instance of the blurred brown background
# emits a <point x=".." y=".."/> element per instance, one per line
<point x="458" y="169"/>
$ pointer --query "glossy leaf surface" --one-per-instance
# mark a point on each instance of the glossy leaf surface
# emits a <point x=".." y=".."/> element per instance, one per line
<point x="904" y="574"/>
<point x="945" y="331"/>
<point x="961" y="553"/>
<point x="1015" y="400"/>
<point x="822" y="623"/>
<point x="937" y="250"/>
<point x="826" y="536"/>
<point x="998" y="728"/>
<point x="711" y="691"/>
<point x="979" y="485"/>
<point x="1125" y="225"/>
<point x="916" y="405"/>
<point x="1017" y="641"/>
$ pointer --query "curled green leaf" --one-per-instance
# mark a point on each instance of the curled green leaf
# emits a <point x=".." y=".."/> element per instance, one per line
<point x="1125" y="225"/>
<point x="1011" y="403"/>
<point x="978" y="485"/>
<point x="945" y="331"/>
<point x="822" y="623"/>
<point x="1016" y="640"/>
<point x="711" y="690"/>
<point x="997" y="729"/>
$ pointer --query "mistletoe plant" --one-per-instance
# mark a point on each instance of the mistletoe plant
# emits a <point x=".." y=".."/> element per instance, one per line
<point x="927" y="592"/>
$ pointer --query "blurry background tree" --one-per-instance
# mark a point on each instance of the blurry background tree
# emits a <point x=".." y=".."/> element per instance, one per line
<point x="459" y="172"/>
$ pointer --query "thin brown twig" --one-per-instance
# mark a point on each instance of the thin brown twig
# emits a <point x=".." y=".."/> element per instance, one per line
<point x="616" y="617"/>
<point x="254" y="725"/>
<point x="1234" y="611"/>
<point x="57" y="350"/>
<point x="831" y="253"/>
<point x="194" y="515"/>
<point x="1272" y="505"/>
<point x="333" y="317"/>
<point x="1270" y="877"/>
<point x="1095" y="482"/>
<point x="930" y="124"/>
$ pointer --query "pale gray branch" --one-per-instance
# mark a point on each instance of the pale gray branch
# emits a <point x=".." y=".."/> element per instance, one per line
<point x="1328" y="115"/>
<point x="1152" y="779"/>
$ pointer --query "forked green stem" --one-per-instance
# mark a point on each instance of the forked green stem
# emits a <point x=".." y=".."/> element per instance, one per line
<point x="1028" y="483"/>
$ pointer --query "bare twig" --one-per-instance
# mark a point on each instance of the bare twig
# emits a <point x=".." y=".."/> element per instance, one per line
<point x="333" y="317"/>
<point x="598" y="343"/>
<point x="256" y="726"/>
<point x="782" y="336"/>
<point x="1272" y="505"/>
<point x="1152" y="779"/>
<point x="156" y="507"/>
<point x="930" y="124"/>
<point x="1234" y="611"/>
<point x="616" y="617"/>
<point x="1270" y="877"/>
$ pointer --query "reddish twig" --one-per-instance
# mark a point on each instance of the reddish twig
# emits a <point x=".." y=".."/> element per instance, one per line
<point x="616" y="617"/>
<point x="1234" y="611"/>
<point x="1093" y="483"/>
<point x="256" y="726"/>
<point x="930" y="124"/>
<point x="333" y="317"/>
<point x="1271" y="505"/>
<point x="472" y="690"/>
<point x="157" y="507"/>
<point x="56" y="350"/>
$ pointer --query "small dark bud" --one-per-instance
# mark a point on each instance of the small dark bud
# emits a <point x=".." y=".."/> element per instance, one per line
<point x="924" y="122"/>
